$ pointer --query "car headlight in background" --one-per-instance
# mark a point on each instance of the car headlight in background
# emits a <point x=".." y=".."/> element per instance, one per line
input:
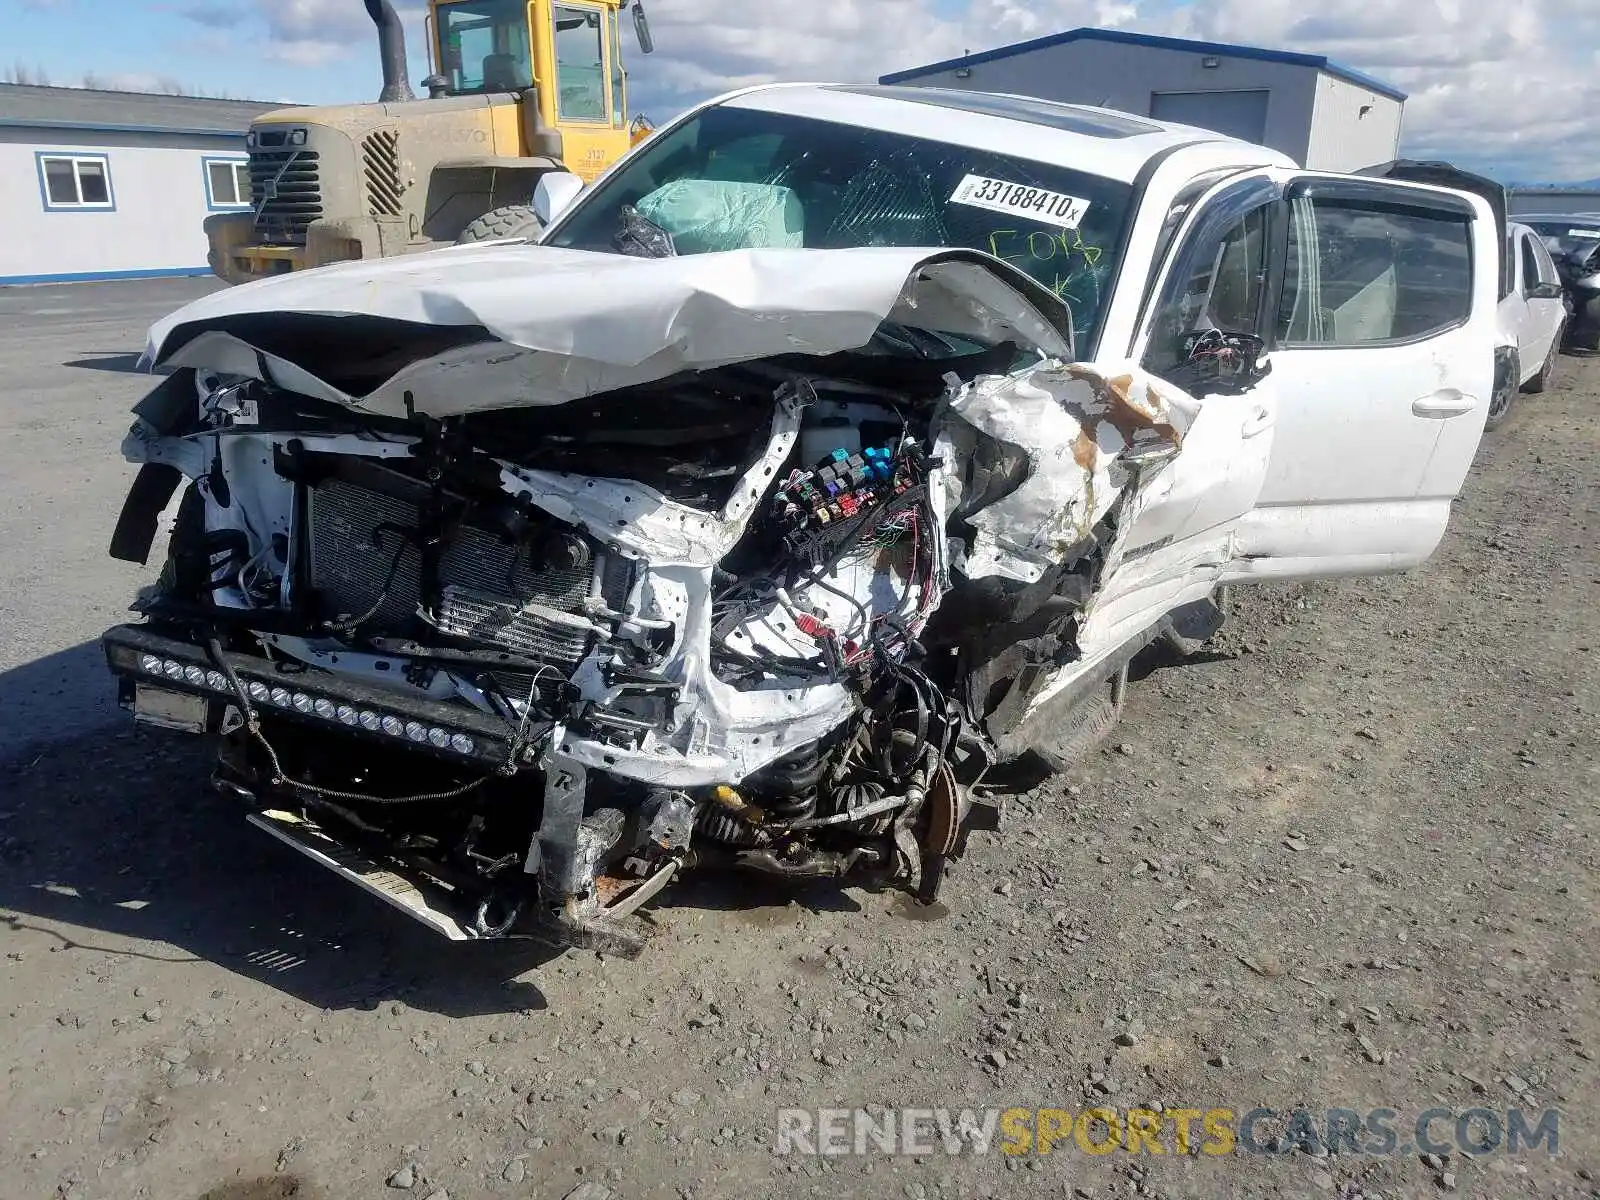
<point x="250" y="140"/>
<point x="297" y="137"/>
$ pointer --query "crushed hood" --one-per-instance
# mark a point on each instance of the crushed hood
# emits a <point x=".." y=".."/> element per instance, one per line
<point x="511" y="324"/>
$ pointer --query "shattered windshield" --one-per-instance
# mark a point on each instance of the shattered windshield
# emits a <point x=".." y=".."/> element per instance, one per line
<point x="736" y="178"/>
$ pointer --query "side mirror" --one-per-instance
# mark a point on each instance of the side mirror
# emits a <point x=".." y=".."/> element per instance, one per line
<point x="554" y="194"/>
<point x="641" y="27"/>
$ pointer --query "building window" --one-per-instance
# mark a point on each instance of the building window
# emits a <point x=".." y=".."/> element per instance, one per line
<point x="227" y="183"/>
<point x="69" y="182"/>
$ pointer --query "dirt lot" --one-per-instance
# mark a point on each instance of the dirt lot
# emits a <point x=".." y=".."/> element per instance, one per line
<point x="1346" y="858"/>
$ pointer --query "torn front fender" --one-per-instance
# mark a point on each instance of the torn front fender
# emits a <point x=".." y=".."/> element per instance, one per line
<point x="1073" y="425"/>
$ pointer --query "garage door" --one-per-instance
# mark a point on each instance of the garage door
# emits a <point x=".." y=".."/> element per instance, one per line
<point x="1241" y="114"/>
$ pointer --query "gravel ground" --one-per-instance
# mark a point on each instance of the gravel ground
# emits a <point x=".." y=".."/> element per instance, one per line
<point x="1344" y="858"/>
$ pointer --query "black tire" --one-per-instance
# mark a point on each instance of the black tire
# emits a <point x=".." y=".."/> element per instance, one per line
<point x="1547" y="373"/>
<point x="1507" y="370"/>
<point x="512" y="221"/>
<point x="1085" y="726"/>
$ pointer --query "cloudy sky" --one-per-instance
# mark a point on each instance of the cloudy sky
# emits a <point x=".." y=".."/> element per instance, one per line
<point x="1512" y="88"/>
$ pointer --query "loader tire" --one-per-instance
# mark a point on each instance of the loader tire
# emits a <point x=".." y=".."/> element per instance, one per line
<point x="512" y="221"/>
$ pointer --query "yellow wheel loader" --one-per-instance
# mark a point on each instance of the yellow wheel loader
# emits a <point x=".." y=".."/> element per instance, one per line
<point x="521" y="90"/>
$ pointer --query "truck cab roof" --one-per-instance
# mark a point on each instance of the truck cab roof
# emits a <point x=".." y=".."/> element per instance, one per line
<point x="1108" y="143"/>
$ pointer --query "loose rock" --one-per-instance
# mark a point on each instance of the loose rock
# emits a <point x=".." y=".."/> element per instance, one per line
<point x="405" y="1178"/>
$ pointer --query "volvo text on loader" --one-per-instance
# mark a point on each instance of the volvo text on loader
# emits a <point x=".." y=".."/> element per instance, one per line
<point x="521" y="89"/>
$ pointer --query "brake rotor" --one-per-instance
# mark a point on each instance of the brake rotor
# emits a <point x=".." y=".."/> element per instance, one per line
<point x="947" y="804"/>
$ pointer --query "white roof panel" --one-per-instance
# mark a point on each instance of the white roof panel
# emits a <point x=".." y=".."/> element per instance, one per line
<point x="1098" y="140"/>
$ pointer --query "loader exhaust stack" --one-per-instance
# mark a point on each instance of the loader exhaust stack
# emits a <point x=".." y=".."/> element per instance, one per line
<point x="391" y="51"/>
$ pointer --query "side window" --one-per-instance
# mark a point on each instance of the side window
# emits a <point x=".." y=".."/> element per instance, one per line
<point x="75" y="181"/>
<point x="580" y="64"/>
<point x="1359" y="272"/>
<point x="1216" y="289"/>
<point x="1530" y="264"/>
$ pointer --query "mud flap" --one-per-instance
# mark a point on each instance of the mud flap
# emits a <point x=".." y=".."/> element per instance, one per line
<point x="1193" y="625"/>
<point x="153" y="489"/>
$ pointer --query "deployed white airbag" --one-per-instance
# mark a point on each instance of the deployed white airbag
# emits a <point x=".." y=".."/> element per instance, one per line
<point x="705" y="215"/>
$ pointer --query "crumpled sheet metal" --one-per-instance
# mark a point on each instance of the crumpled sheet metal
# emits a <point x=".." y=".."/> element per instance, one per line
<point x="567" y="324"/>
<point x="1073" y="422"/>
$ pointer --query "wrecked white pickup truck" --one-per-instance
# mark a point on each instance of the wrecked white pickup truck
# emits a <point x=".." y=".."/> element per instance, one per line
<point x="838" y="447"/>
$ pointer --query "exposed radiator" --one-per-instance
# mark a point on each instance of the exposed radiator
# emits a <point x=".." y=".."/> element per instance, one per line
<point x="362" y="561"/>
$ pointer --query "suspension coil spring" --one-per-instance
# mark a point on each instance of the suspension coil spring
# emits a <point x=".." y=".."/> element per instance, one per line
<point x="788" y="787"/>
<point x="715" y="825"/>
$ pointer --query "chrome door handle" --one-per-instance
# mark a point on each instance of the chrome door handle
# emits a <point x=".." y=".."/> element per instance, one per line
<point x="1447" y="402"/>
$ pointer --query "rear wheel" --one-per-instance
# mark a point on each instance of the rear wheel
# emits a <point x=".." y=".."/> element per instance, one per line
<point x="1507" y="370"/>
<point x="512" y="221"/>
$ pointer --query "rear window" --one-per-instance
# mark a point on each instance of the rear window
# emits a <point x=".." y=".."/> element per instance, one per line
<point x="736" y="178"/>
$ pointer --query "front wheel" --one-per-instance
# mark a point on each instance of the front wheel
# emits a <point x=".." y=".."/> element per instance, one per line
<point x="497" y="225"/>
<point x="1547" y="373"/>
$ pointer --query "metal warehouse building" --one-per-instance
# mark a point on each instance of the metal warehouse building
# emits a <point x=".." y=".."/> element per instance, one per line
<point x="1325" y="116"/>
<point x="115" y="185"/>
<point x="1554" y="201"/>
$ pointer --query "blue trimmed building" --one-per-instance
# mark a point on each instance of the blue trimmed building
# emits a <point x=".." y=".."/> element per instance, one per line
<point x="1323" y="115"/>
<point x="115" y="185"/>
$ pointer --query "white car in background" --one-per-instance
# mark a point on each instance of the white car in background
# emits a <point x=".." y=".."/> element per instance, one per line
<point x="1532" y="315"/>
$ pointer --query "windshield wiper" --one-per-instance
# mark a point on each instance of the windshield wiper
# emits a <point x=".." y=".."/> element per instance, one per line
<point x="923" y="342"/>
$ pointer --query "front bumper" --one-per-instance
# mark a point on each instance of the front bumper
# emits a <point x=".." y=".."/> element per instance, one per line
<point x="556" y="897"/>
<point x="293" y="692"/>
<point x="244" y="264"/>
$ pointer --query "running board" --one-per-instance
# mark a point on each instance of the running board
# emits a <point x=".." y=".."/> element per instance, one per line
<point x="409" y="897"/>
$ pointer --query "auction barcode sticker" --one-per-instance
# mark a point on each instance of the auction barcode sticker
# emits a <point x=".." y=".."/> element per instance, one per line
<point x="1020" y="200"/>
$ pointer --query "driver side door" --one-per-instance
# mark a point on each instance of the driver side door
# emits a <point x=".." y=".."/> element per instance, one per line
<point x="1201" y="340"/>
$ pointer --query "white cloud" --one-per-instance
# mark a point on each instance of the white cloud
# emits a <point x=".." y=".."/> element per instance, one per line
<point x="1504" y="87"/>
<point x="302" y="33"/>
<point x="1507" y="87"/>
